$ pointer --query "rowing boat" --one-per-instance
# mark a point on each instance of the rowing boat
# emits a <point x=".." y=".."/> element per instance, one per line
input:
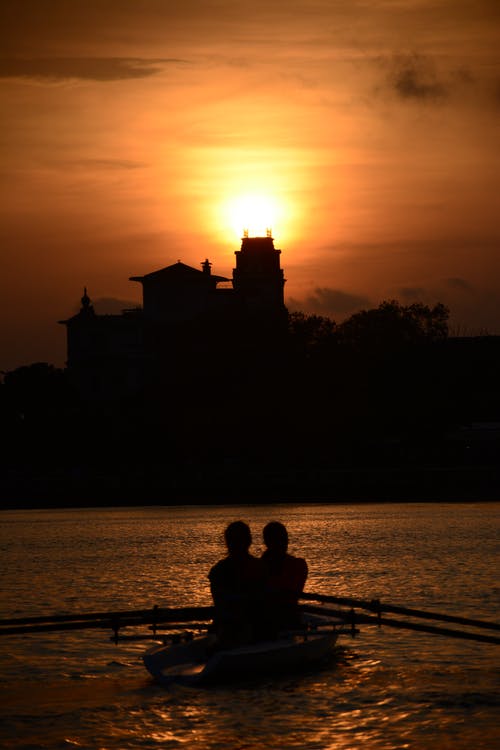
<point x="197" y="660"/>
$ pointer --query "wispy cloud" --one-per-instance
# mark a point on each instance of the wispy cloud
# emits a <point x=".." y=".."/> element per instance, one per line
<point x="330" y="302"/>
<point x="83" y="68"/>
<point x="413" y="76"/>
<point x="412" y="293"/>
<point x="459" y="284"/>
<point x="106" y="164"/>
<point x="113" y="305"/>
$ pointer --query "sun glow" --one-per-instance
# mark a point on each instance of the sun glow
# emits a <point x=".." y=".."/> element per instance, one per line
<point x="254" y="214"/>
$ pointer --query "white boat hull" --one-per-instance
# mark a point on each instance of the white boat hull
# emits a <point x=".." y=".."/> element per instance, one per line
<point x="197" y="661"/>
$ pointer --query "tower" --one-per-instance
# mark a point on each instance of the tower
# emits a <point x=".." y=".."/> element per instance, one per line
<point x="258" y="279"/>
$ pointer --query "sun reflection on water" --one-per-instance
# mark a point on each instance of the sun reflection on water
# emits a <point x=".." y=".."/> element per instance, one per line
<point x="387" y="690"/>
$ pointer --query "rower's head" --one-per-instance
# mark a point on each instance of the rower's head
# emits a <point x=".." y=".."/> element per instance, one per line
<point x="238" y="537"/>
<point x="275" y="537"/>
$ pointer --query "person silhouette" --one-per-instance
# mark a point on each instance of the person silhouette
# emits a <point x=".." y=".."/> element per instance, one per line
<point x="237" y="586"/>
<point x="285" y="578"/>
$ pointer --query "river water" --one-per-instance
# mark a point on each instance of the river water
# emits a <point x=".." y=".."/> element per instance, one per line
<point x="386" y="689"/>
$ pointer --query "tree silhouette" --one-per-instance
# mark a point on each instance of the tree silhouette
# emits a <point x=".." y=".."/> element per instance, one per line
<point x="34" y="389"/>
<point x="394" y="326"/>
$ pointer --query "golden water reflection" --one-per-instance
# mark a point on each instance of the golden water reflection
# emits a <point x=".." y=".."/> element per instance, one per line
<point x="387" y="690"/>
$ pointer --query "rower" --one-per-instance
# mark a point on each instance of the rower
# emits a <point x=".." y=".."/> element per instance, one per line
<point x="237" y="586"/>
<point x="285" y="578"/>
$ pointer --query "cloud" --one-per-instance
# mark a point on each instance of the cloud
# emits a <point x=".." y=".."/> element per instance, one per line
<point x="112" y="305"/>
<point x="82" y="68"/>
<point x="442" y="289"/>
<point x="412" y="293"/>
<point x="416" y="77"/>
<point x="330" y="302"/>
<point x="413" y="76"/>
<point x="460" y="284"/>
<point x="106" y="164"/>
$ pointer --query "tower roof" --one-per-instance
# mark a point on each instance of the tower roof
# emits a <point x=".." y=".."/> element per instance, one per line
<point x="258" y="244"/>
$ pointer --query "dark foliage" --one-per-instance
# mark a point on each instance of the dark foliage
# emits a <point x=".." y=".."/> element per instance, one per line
<point x="384" y="391"/>
<point x="36" y="388"/>
<point x="393" y="326"/>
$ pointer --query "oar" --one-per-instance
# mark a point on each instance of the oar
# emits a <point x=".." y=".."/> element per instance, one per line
<point x="77" y="616"/>
<point x="115" y="620"/>
<point x="355" y="618"/>
<point x="377" y="606"/>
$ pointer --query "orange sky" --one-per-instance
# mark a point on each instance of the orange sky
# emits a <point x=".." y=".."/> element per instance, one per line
<point x="127" y="127"/>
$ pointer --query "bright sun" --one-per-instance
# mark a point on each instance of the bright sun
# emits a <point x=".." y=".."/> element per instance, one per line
<point x="253" y="213"/>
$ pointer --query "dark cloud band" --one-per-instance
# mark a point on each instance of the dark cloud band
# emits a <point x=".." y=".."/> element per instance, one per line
<point x="82" y="68"/>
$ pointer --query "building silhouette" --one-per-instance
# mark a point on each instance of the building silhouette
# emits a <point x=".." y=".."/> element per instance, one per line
<point x="189" y="318"/>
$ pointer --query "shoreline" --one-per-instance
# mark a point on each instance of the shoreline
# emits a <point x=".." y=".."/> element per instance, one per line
<point x="339" y="486"/>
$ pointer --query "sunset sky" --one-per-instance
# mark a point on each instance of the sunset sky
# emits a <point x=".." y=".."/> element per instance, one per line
<point x="366" y="132"/>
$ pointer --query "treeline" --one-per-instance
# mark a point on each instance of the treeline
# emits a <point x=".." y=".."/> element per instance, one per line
<point x="385" y="389"/>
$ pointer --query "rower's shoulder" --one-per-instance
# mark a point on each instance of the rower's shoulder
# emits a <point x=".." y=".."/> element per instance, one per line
<point x="298" y="564"/>
<point x="296" y="560"/>
<point x="220" y="567"/>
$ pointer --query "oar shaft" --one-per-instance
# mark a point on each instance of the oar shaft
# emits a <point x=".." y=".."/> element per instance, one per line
<point x="40" y="620"/>
<point x="434" y="629"/>
<point x="89" y="624"/>
<point x="356" y="618"/>
<point x="440" y="616"/>
<point x="379" y="607"/>
<point x="50" y="627"/>
<point x="114" y="620"/>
